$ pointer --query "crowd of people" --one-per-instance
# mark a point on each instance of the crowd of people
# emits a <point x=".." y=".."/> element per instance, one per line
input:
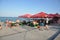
<point x="40" y="24"/>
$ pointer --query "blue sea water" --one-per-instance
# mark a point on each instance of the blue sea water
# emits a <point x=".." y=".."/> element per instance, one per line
<point x="3" y="19"/>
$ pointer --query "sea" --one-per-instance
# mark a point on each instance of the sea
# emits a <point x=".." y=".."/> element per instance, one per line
<point x="3" y="19"/>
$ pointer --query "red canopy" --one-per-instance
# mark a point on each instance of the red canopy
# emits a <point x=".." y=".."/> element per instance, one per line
<point x="56" y="15"/>
<point x="26" y="16"/>
<point x="53" y="15"/>
<point x="50" y="15"/>
<point x="39" y="15"/>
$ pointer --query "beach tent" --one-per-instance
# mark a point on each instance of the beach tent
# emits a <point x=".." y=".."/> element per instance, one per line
<point x="39" y="15"/>
<point x="25" y="16"/>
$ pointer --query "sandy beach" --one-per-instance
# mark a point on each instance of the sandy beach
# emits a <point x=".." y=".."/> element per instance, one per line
<point x="29" y="33"/>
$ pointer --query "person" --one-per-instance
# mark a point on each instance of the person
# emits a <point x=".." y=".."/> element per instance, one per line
<point x="0" y="27"/>
<point x="24" y="22"/>
<point x="17" y="22"/>
<point x="41" y="24"/>
<point x="39" y="21"/>
<point x="35" y="23"/>
<point x="7" y="22"/>
<point x="46" y="24"/>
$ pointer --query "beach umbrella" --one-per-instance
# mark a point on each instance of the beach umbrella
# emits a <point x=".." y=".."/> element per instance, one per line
<point x="59" y="15"/>
<point x="25" y="16"/>
<point x="53" y="15"/>
<point x="50" y="15"/>
<point x="56" y="15"/>
<point x="42" y="14"/>
<point x="39" y="15"/>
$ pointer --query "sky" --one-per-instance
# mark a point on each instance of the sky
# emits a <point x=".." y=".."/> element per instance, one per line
<point x="14" y="8"/>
